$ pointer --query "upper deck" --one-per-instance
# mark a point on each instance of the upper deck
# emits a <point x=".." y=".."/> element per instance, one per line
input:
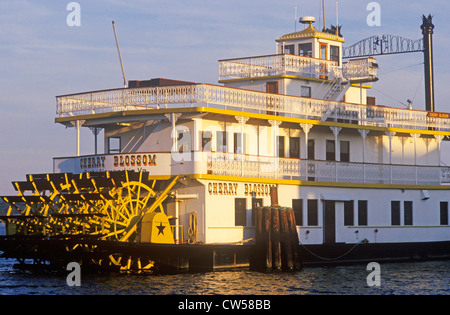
<point x="363" y="69"/>
<point x="69" y="107"/>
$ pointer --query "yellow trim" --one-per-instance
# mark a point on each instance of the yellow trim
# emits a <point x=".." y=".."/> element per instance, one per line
<point x="318" y="184"/>
<point x="247" y="114"/>
<point x="319" y="122"/>
<point x="310" y="32"/>
<point x="160" y="177"/>
<point x="364" y="86"/>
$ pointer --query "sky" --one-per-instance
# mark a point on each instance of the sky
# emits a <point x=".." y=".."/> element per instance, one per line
<point x="41" y="56"/>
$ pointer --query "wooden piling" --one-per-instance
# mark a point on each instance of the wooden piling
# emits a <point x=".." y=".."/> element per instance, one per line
<point x="293" y="236"/>
<point x="274" y="196"/>
<point x="259" y="225"/>
<point x="276" y="245"/>
<point x="257" y="259"/>
<point x="285" y="240"/>
<point x="276" y="237"/>
<point x="267" y="212"/>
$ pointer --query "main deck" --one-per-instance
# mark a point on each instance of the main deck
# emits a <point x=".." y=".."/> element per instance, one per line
<point x="262" y="168"/>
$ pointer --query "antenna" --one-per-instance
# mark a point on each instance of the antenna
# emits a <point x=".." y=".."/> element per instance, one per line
<point x="337" y="17"/>
<point x="295" y="18"/>
<point x="120" y="56"/>
<point x="323" y="8"/>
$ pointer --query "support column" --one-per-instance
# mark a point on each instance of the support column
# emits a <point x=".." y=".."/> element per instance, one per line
<point x="196" y="144"/>
<point x="363" y="133"/>
<point x="77" y="127"/>
<point x="307" y="170"/>
<point x="439" y="139"/>
<point x="415" y="136"/>
<point x="275" y="125"/>
<point x="173" y="117"/>
<point x="306" y="128"/>
<point x="242" y="120"/>
<point x="223" y="127"/>
<point x="390" y="134"/>
<point x="403" y="141"/>
<point x="78" y="124"/>
<point x="95" y="131"/>
<point x="427" y="144"/>
<point x="275" y="161"/>
<point x="195" y="139"/>
<point x="336" y="131"/>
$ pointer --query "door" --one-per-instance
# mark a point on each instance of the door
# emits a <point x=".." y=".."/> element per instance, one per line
<point x="272" y="88"/>
<point x="323" y="65"/>
<point x="323" y="51"/>
<point x="256" y="202"/>
<point x="329" y="221"/>
<point x="294" y="147"/>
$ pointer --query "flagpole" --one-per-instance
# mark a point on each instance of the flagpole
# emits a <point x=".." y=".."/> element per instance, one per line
<point x="337" y="18"/>
<point x="323" y="8"/>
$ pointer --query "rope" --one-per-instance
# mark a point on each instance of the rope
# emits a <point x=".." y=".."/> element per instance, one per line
<point x="192" y="232"/>
<point x="364" y="241"/>
<point x="417" y="89"/>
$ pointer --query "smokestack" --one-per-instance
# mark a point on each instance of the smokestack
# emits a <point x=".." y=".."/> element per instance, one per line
<point x="427" y="31"/>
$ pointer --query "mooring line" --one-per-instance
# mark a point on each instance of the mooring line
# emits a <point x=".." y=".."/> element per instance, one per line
<point x="364" y="241"/>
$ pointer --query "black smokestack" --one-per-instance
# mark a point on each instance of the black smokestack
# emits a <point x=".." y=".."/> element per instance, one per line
<point x="427" y="31"/>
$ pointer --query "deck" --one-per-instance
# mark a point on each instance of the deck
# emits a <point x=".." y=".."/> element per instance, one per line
<point x="246" y="101"/>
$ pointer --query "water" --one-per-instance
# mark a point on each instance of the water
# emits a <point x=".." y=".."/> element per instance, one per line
<point x="424" y="278"/>
<point x="420" y="278"/>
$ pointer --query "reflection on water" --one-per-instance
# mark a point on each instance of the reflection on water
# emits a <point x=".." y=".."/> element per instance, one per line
<point x="399" y="278"/>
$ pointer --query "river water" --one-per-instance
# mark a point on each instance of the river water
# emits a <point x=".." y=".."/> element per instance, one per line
<point x="422" y="278"/>
<point x="418" y="278"/>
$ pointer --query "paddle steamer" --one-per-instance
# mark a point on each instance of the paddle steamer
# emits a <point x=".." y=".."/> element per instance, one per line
<point x="365" y="181"/>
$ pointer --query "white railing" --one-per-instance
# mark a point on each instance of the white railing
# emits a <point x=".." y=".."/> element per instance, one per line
<point x="230" y="164"/>
<point x="359" y="69"/>
<point x="271" y="65"/>
<point x="215" y="96"/>
<point x="253" y="166"/>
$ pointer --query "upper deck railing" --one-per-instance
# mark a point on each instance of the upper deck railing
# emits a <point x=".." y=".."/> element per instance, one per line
<point x="282" y="64"/>
<point x="214" y="96"/>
